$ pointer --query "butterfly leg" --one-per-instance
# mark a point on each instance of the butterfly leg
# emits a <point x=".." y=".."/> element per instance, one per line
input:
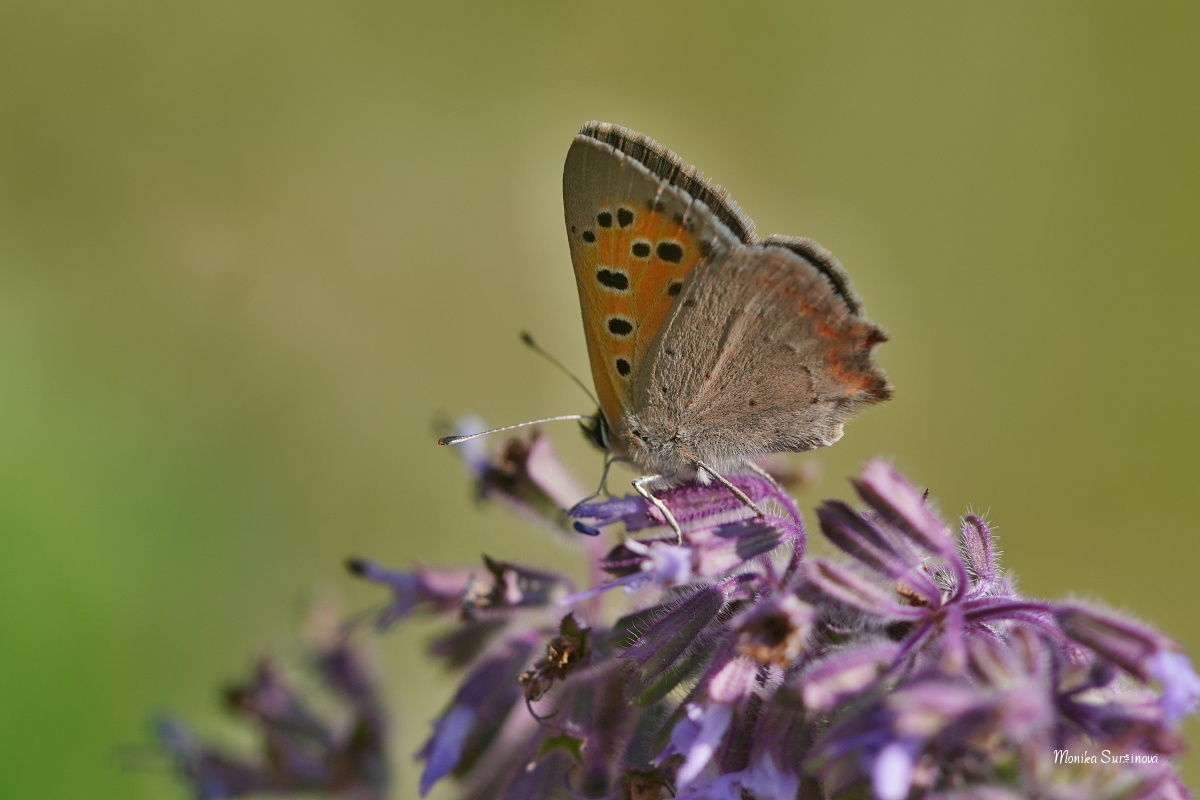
<point x="738" y="493"/>
<point x="602" y="489"/>
<point x="762" y="473"/>
<point x="640" y="486"/>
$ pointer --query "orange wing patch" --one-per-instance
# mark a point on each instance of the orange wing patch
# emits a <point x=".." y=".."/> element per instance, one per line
<point x="631" y="263"/>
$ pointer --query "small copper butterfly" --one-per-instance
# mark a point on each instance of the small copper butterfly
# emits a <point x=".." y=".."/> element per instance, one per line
<point x="709" y="348"/>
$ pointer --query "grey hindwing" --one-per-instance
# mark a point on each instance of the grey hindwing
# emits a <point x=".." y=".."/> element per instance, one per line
<point x="763" y="352"/>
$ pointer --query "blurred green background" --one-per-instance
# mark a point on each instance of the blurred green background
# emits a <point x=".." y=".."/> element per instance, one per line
<point x="249" y="252"/>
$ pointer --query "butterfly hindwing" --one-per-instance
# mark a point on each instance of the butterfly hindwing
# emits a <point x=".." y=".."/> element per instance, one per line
<point x="767" y="352"/>
<point x="639" y="223"/>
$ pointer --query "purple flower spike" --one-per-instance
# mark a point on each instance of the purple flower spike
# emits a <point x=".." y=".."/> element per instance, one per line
<point x="733" y="667"/>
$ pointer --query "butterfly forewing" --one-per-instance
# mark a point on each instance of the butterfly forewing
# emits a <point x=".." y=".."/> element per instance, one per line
<point x="637" y="230"/>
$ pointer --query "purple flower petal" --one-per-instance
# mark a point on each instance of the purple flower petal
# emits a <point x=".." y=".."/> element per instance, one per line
<point x="445" y="747"/>
<point x="438" y="590"/>
<point x="713" y="721"/>
<point x="977" y="551"/>
<point x="861" y="540"/>
<point x="845" y="673"/>
<point x="734" y="682"/>
<point x="892" y="770"/>
<point x="842" y="584"/>
<point x="726" y="547"/>
<point x="886" y="491"/>
<point x="1127" y="644"/>
<point x="1181" y="686"/>
<point x="765" y="779"/>
<point x="776" y="632"/>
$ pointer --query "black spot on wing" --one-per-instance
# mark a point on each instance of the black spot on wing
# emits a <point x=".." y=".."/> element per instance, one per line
<point x="623" y="367"/>
<point x="612" y="278"/>
<point x="604" y="219"/>
<point x="669" y="251"/>
<point x="640" y="249"/>
<point x="588" y="236"/>
<point x="620" y="326"/>
<point x="624" y="217"/>
<point x="674" y="288"/>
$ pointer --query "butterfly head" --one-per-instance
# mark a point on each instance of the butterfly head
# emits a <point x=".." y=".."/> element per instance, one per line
<point x="638" y="444"/>
<point x="597" y="431"/>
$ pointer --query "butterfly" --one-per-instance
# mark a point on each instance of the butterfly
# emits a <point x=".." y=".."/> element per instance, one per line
<point x="709" y="349"/>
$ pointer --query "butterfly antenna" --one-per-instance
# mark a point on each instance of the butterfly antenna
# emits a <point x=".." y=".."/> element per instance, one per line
<point x="457" y="439"/>
<point x="537" y="348"/>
